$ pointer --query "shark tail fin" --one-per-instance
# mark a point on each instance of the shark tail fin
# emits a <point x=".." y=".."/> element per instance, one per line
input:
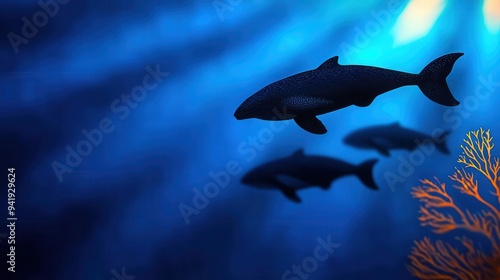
<point x="433" y="80"/>
<point x="441" y="145"/>
<point x="365" y="173"/>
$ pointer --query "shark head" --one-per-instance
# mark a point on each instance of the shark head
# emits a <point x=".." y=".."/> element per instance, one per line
<point x="252" y="178"/>
<point x="246" y="110"/>
<point x="258" y="177"/>
<point x="262" y="105"/>
<point x="355" y="139"/>
<point x="254" y="108"/>
<point x="267" y="175"/>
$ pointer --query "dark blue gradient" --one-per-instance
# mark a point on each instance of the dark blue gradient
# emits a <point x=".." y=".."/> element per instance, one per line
<point x="119" y="205"/>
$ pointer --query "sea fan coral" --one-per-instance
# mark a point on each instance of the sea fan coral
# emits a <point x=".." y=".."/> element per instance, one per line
<point x="439" y="211"/>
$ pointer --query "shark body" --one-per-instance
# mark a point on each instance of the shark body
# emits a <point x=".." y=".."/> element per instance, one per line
<point x="300" y="171"/>
<point x="384" y="138"/>
<point x="332" y="86"/>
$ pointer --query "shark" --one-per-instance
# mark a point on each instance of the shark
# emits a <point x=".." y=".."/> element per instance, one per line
<point x="393" y="136"/>
<point x="333" y="86"/>
<point x="300" y="171"/>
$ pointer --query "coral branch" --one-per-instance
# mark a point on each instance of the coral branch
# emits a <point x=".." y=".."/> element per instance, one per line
<point x="477" y="154"/>
<point x="434" y="196"/>
<point x="469" y="186"/>
<point x="441" y="260"/>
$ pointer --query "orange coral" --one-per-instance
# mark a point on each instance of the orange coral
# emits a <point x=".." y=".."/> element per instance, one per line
<point x="441" y="260"/>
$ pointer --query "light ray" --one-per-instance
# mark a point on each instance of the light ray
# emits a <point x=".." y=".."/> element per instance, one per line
<point x="417" y="20"/>
<point x="491" y="10"/>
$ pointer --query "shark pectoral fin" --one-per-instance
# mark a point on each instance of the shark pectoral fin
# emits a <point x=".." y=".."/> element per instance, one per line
<point x="299" y="153"/>
<point x="310" y="124"/>
<point x="381" y="146"/>
<point x="325" y="183"/>
<point x="383" y="151"/>
<point x="290" y="194"/>
<point x="364" y="102"/>
<point x="325" y="186"/>
<point x="289" y="181"/>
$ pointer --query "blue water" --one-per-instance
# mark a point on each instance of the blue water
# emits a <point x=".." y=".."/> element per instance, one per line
<point x="118" y="206"/>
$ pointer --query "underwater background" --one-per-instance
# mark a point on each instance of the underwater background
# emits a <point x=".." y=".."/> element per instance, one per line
<point x="116" y="213"/>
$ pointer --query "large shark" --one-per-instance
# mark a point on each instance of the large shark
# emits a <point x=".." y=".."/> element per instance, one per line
<point x="394" y="137"/>
<point x="332" y="86"/>
<point x="300" y="171"/>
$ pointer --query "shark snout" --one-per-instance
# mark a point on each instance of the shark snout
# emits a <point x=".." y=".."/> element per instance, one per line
<point x="245" y="180"/>
<point x="239" y="114"/>
<point x="243" y="112"/>
<point x="259" y="107"/>
<point x="252" y="178"/>
<point x="248" y="180"/>
<point x="349" y="140"/>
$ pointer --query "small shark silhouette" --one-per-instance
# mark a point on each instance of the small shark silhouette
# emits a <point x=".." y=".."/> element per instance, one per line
<point x="332" y="86"/>
<point x="299" y="171"/>
<point x="392" y="137"/>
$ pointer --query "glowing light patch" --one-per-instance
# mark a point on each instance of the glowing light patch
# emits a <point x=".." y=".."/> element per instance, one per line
<point x="417" y="20"/>
<point x="392" y="109"/>
<point x="292" y="40"/>
<point x="491" y="10"/>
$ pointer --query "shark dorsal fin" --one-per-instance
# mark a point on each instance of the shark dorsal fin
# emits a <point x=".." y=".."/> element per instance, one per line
<point x="332" y="62"/>
<point x="298" y="153"/>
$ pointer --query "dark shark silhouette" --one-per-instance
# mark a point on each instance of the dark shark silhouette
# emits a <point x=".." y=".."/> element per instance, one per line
<point x="300" y="171"/>
<point x="393" y="137"/>
<point x="332" y="86"/>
